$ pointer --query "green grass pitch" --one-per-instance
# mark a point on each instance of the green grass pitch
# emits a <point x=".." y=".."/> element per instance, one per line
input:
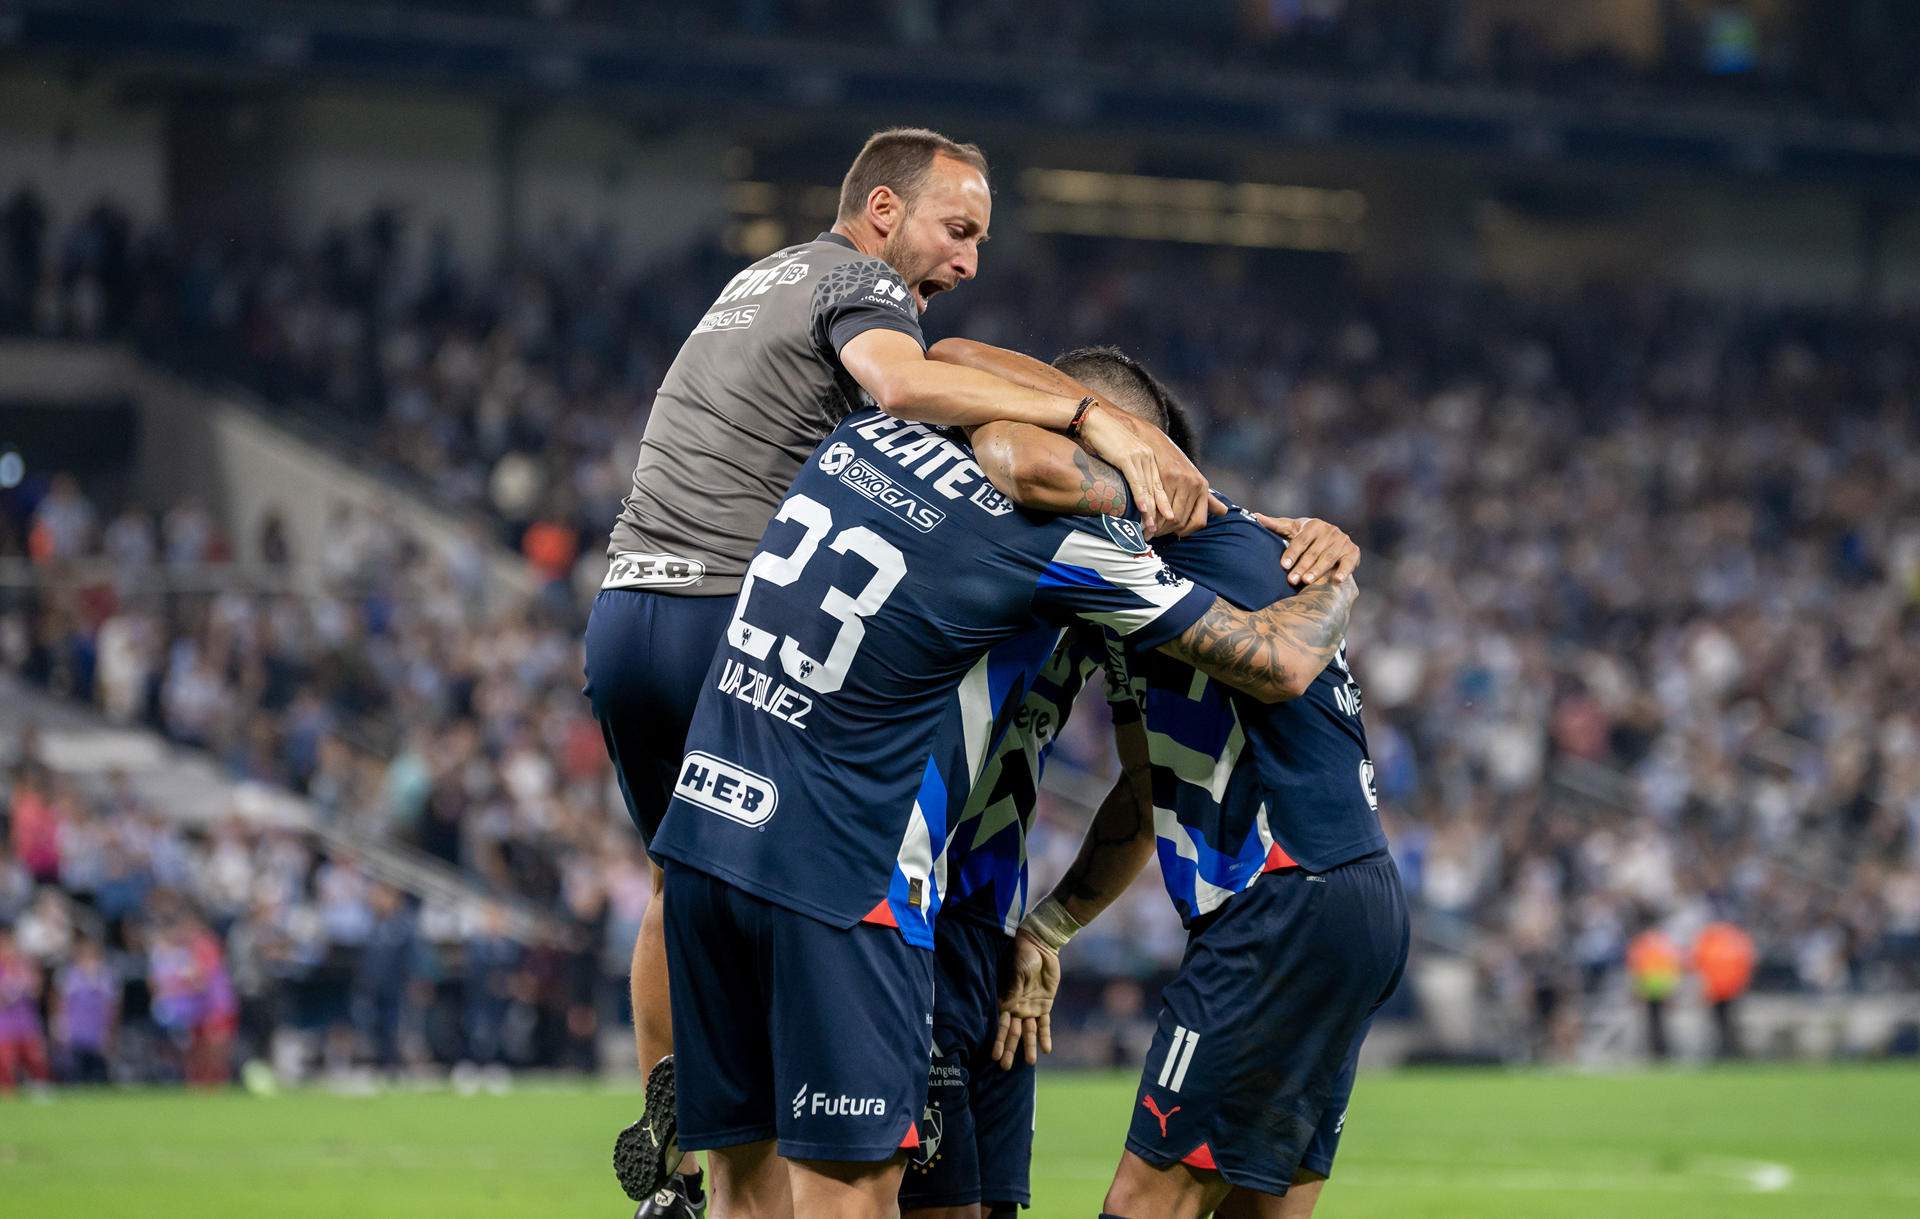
<point x="1738" y="1142"/>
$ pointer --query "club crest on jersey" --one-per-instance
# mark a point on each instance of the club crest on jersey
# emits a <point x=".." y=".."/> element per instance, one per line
<point x="1366" y="784"/>
<point x="932" y="1130"/>
<point x="732" y="791"/>
<point x="836" y="457"/>
<point x="1125" y="534"/>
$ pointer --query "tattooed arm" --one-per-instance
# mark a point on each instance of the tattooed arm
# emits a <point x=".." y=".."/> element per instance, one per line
<point x="1117" y="846"/>
<point x="1120" y="841"/>
<point x="1276" y="653"/>
<point x="1044" y="470"/>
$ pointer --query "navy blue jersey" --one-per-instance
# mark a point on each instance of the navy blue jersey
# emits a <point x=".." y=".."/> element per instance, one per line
<point x="987" y="847"/>
<point x="1234" y="777"/>
<point x="855" y="695"/>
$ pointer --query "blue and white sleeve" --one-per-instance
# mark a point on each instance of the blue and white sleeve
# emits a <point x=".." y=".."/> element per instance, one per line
<point x="1132" y="593"/>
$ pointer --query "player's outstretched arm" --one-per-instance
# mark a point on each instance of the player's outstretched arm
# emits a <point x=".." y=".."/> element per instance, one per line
<point x="1042" y="469"/>
<point x="1275" y="653"/>
<point x="1117" y="846"/>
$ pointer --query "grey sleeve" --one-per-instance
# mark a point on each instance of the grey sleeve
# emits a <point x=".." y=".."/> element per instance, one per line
<point x="858" y="296"/>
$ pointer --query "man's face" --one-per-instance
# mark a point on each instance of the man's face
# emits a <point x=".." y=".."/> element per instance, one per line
<point x="936" y="244"/>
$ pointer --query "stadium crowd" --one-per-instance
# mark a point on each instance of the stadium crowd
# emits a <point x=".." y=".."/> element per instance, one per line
<point x="1852" y="58"/>
<point x="1641" y="638"/>
<point x="140" y="948"/>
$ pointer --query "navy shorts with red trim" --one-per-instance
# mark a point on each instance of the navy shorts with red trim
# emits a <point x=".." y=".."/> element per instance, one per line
<point x="1252" y="1064"/>
<point x="976" y="1134"/>
<point x="647" y="657"/>
<point x="786" y="1027"/>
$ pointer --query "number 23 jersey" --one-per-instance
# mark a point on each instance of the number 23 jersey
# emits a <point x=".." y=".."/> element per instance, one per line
<point x="853" y="700"/>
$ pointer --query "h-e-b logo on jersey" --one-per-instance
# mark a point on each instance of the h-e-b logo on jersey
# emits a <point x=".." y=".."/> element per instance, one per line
<point x="722" y="787"/>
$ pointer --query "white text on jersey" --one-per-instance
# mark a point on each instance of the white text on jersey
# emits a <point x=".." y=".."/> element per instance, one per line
<point x="759" y="691"/>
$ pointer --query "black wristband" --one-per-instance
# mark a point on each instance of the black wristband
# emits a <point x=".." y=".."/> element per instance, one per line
<point x="1080" y="417"/>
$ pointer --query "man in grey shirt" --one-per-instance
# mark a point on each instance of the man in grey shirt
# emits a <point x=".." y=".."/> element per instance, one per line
<point x="792" y="344"/>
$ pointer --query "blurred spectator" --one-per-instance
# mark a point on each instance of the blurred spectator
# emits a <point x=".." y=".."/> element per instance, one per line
<point x="23" y="1047"/>
<point x="490" y="959"/>
<point x="1724" y="956"/>
<point x="63" y="522"/>
<point x="1653" y="966"/>
<point x="386" y="969"/>
<point x="85" y="1015"/>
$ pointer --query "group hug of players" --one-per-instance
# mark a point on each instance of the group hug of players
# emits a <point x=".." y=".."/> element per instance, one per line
<point x="850" y="602"/>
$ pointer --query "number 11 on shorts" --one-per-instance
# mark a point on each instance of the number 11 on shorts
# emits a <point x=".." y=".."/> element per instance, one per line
<point x="1179" y="1057"/>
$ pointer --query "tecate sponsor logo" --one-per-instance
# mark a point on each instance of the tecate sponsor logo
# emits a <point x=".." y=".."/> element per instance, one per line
<point x="733" y="791"/>
<point x="870" y="482"/>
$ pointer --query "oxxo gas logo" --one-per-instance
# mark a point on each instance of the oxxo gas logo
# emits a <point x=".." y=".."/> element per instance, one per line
<point x="719" y="786"/>
<point x="905" y="504"/>
<point x="738" y="318"/>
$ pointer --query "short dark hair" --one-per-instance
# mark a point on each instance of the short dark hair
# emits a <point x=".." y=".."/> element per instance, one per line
<point x="1126" y="383"/>
<point x="900" y="158"/>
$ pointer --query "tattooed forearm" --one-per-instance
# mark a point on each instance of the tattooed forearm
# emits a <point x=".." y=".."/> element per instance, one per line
<point x="1103" y="489"/>
<point x="1275" y="654"/>
<point x="1117" y="846"/>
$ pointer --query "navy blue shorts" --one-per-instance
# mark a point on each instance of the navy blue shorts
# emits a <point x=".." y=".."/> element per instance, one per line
<point x="647" y="657"/>
<point x="976" y="1134"/>
<point x="1252" y="1065"/>
<point x="785" y="1027"/>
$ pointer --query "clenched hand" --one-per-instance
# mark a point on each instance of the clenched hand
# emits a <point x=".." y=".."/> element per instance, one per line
<point x="1170" y="493"/>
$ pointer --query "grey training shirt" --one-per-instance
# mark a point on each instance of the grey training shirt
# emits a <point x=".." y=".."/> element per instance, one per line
<point x="755" y="387"/>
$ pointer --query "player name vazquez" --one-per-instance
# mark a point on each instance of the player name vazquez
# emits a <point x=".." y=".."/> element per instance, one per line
<point x="761" y="692"/>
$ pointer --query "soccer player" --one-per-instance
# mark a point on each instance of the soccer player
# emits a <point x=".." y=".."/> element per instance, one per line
<point x="976" y="1141"/>
<point x="791" y="345"/>
<point x="1270" y="845"/>
<point x="854" y="693"/>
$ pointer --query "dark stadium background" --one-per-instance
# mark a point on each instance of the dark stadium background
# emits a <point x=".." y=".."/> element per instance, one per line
<point x="330" y="329"/>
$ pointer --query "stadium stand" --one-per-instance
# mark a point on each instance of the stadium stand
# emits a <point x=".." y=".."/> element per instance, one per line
<point x="1645" y="640"/>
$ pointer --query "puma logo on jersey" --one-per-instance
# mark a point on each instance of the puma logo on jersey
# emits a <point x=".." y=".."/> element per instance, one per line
<point x="1154" y="1109"/>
